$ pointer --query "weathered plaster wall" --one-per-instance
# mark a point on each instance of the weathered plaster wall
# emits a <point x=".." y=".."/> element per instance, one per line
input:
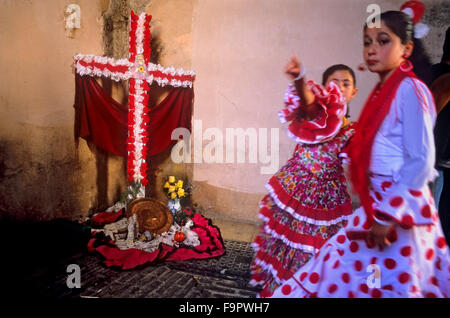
<point x="171" y="29"/>
<point x="42" y="174"/>
<point x="437" y="16"/>
<point x="239" y="51"/>
<point x="237" y="48"/>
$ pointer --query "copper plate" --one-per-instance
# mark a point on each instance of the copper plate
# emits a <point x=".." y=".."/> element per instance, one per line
<point x="152" y="215"/>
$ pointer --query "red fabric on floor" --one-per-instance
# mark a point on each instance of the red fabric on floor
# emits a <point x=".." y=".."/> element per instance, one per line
<point x="211" y="245"/>
<point x="102" y="218"/>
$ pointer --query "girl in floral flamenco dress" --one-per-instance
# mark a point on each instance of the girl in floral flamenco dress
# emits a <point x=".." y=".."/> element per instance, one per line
<point x="308" y="200"/>
<point x="392" y="246"/>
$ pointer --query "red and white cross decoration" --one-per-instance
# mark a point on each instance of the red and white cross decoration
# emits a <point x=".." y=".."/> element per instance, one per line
<point x="140" y="73"/>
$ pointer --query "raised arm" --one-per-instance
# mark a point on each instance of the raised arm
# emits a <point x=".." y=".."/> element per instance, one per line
<point x="293" y="69"/>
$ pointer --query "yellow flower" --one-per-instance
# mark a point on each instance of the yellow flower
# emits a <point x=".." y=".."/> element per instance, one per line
<point x="166" y="185"/>
<point x="171" y="179"/>
<point x="181" y="192"/>
<point x="141" y="69"/>
<point x="173" y="195"/>
<point x="308" y="155"/>
<point x="180" y="183"/>
<point x="172" y="189"/>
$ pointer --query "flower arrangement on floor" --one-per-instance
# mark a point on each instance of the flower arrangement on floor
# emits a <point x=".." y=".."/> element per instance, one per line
<point x="125" y="239"/>
<point x="183" y="216"/>
<point x="175" y="191"/>
<point x="128" y="233"/>
<point x="140" y="231"/>
<point x="133" y="191"/>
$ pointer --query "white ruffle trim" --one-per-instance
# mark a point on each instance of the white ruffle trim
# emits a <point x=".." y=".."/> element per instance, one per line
<point x="118" y="76"/>
<point x="317" y="141"/>
<point x="299" y="217"/>
<point x="297" y="246"/>
<point x="269" y="268"/>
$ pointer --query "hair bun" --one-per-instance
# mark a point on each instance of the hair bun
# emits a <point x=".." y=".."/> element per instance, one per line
<point x="415" y="9"/>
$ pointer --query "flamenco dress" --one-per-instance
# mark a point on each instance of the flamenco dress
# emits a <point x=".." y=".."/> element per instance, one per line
<point x="307" y="200"/>
<point x="417" y="262"/>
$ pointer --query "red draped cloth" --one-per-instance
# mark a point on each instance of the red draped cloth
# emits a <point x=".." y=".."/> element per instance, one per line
<point x="211" y="245"/>
<point x="103" y="121"/>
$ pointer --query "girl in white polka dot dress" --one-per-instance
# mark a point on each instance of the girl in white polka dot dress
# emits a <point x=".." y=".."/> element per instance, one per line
<point x="392" y="246"/>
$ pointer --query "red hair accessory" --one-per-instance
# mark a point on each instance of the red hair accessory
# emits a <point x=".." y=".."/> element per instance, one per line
<point x="415" y="9"/>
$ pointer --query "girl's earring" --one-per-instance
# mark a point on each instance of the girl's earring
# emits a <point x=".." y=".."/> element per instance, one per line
<point x="406" y="66"/>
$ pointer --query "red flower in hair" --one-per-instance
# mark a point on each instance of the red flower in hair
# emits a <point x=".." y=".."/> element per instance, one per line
<point x="415" y="7"/>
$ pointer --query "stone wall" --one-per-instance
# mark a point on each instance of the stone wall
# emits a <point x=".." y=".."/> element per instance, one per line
<point x="239" y="51"/>
<point x="43" y="174"/>
<point x="236" y="47"/>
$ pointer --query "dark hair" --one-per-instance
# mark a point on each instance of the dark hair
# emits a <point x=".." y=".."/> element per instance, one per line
<point x="402" y="25"/>
<point x="337" y="67"/>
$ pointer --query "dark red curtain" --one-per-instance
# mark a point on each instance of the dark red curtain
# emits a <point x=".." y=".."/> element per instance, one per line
<point x="104" y="122"/>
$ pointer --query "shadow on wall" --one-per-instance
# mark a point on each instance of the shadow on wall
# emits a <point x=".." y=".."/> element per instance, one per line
<point x="39" y="176"/>
<point x="116" y="43"/>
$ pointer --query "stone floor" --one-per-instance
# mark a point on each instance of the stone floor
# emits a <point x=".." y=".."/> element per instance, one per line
<point x="226" y="276"/>
<point x="234" y="230"/>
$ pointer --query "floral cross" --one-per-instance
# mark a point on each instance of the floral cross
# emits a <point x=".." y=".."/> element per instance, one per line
<point x="140" y="73"/>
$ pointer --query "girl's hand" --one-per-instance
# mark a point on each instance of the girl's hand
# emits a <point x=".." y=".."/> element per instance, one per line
<point x="378" y="234"/>
<point x="292" y="68"/>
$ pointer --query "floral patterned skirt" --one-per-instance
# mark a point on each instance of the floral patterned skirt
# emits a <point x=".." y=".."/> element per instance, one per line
<point x="284" y="244"/>
<point x="307" y="203"/>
